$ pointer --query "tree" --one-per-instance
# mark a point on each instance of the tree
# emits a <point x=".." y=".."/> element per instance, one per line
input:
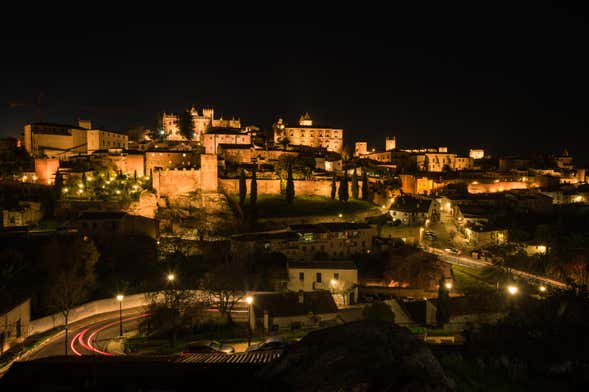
<point x="185" y="125"/>
<point x="253" y="189"/>
<point x="443" y="313"/>
<point x="290" y="190"/>
<point x="68" y="267"/>
<point x="378" y="311"/>
<point x="225" y="285"/>
<point x="242" y="188"/>
<point x="355" y="189"/>
<point x="343" y="188"/>
<point x="364" y="185"/>
<point x="333" y="186"/>
<point x="172" y="311"/>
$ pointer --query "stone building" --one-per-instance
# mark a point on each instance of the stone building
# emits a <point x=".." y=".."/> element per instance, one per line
<point x="64" y="141"/>
<point x="201" y="123"/>
<point x="340" y="277"/>
<point x="26" y="214"/>
<point x="169" y="159"/>
<point x="216" y="136"/>
<point x="307" y="134"/>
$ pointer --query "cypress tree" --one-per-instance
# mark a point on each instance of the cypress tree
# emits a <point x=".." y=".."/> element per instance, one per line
<point x="364" y="185"/>
<point x="185" y="125"/>
<point x="253" y="189"/>
<point x="443" y="310"/>
<point x="135" y="175"/>
<point x="252" y="211"/>
<point x="343" y="188"/>
<point x="242" y="188"/>
<point x="355" y="188"/>
<point x="290" y="190"/>
<point x="333" y="187"/>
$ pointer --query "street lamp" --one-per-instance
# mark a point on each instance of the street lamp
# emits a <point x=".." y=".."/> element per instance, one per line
<point x="171" y="277"/>
<point x="542" y="289"/>
<point x="250" y="301"/>
<point x="448" y="285"/>
<point x="511" y="289"/>
<point x="120" y="299"/>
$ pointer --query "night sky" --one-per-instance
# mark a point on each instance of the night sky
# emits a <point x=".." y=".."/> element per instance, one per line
<point x="509" y="80"/>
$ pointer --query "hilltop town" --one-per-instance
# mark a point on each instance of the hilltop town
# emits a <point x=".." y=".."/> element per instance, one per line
<point x="281" y="231"/>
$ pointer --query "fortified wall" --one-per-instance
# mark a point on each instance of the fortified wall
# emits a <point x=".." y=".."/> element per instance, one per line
<point x="174" y="183"/>
<point x="272" y="187"/>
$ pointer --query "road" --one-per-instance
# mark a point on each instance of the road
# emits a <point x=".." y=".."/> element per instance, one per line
<point x="90" y="337"/>
<point x="470" y="262"/>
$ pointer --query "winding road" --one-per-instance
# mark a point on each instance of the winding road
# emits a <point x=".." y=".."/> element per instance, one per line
<point x="470" y="262"/>
<point x="91" y="337"/>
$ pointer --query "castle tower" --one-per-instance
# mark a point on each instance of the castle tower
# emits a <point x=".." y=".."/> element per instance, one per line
<point x="208" y="172"/>
<point x="361" y="148"/>
<point x="208" y="113"/>
<point x="305" y="120"/>
<point x="390" y="143"/>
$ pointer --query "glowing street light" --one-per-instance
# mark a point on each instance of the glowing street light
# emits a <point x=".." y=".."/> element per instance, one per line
<point x="171" y="277"/>
<point x="333" y="282"/>
<point x="448" y="285"/>
<point x="513" y="290"/>
<point x="542" y="289"/>
<point x="340" y="215"/>
<point x="120" y="299"/>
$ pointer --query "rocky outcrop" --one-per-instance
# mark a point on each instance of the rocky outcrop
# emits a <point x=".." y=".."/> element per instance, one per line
<point x="146" y="205"/>
<point x="359" y="356"/>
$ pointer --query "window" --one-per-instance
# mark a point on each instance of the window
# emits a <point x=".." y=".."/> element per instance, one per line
<point x="302" y="276"/>
<point x="336" y="275"/>
<point x="318" y="277"/>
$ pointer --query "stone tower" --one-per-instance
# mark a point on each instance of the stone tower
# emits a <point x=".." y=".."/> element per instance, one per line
<point x="208" y="173"/>
<point x="391" y="143"/>
<point x="361" y="148"/>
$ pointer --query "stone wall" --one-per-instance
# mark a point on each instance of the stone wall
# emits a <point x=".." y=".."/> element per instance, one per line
<point x="173" y="183"/>
<point x="272" y="187"/>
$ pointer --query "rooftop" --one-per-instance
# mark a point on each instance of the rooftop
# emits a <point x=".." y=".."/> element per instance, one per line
<point x="324" y="264"/>
<point x="289" y="304"/>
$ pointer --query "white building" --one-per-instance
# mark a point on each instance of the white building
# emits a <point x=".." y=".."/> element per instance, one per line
<point x="340" y="277"/>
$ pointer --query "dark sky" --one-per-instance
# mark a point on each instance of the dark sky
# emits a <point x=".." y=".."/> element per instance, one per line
<point x="506" y="79"/>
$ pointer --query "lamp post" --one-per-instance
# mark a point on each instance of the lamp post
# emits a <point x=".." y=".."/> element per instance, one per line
<point x="171" y="277"/>
<point x="120" y="299"/>
<point x="249" y="301"/>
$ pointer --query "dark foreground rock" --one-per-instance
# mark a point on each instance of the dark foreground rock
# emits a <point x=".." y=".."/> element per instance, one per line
<point x="360" y="356"/>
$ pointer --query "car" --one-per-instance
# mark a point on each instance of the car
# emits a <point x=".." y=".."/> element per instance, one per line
<point x="208" y="346"/>
<point x="271" y="343"/>
<point x="453" y="251"/>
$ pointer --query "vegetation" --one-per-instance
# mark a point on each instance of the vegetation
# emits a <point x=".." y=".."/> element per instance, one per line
<point x="69" y="269"/>
<point x="290" y="190"/>
<point x="276" y="206"/>
<point x="343" y="188"/>
<point x="364" y="185"/>
<point x="242" y="188"/>
<point x="105" y="185"/>
<point x="355" y="188"/>
<point x="225" y="284"/>
<point x="443" y="307"/>
<point x="185" y="125"/>
<point x="333" y="187"/>
<point x="378" y="311"/>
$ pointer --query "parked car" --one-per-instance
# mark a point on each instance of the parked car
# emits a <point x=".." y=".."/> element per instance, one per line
<point x="208" y="346"/>
<point x="271" y="343"/>
<point x="452" y="250"/>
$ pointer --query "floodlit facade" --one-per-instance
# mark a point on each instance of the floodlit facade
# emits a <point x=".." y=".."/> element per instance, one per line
<point x="306" y="134"/>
